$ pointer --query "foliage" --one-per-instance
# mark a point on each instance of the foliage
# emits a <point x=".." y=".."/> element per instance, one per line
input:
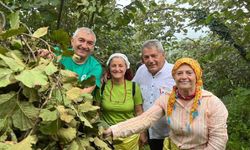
<point x="41" y="105"/>
<point x="238" y="123"/>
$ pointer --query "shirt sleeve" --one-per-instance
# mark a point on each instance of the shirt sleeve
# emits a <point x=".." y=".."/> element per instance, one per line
<point x="141" y="122"/>
<point x="138" y="96"/>
<point x="217" y="128"/>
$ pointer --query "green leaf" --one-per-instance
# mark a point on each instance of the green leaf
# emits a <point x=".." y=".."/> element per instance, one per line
<point x="13" y="32"/>
<point x="86" y="122"/>
<point x="50" y="69"/>
<point x="67" y="52"/>
<point x="4" y="146"/>
<point x="209" y="19"/>
<point x="40" y="32"/>
<point x="247" y="28"/>
<point x="15" y="64"/>
<point x="48" y="115"/>
<point x="101" y="144"/>
<point x="49" y="128"/>
<point x="61" y="37"/>
<point x="7" y="101"/>
<point x="64" y="115"/>
<point x="31" y="94"/>
<point x="87" y="106"/>
<point x="32" y="78"/>
<point x="87" y="83"/>
<point x="3" y="50"/>
<point x="5" y="75"/>
<point x="66" y="135"/>
<point x="25" y="144"/>
<point x="3" y="126"/>
<point x="74" y="94"/>
<point x="14" y="20"/>
<point x="68" y="76"/>
<point x="24" y="118"/>
<point x="140" y="5"/>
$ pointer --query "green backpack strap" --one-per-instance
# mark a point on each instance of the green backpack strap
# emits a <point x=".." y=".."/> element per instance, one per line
<point x="133" y="88"/>
<point x="102" y="88"/>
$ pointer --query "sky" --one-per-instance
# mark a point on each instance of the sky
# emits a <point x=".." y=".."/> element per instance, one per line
<point x="190" y="34"/>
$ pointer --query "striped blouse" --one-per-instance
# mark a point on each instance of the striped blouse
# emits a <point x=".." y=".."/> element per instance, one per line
<point x="208" y="131"/>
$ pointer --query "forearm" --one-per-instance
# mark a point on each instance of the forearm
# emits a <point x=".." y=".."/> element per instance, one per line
<point x="137" y="124"/>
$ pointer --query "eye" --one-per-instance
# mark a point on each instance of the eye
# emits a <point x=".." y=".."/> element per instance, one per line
<point x="190" y="72"/>
<point x="179" y="73"/>
<point x="90" y="43"/>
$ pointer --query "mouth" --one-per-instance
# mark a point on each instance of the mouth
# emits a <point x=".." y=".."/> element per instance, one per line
<point x="184" y="82"/>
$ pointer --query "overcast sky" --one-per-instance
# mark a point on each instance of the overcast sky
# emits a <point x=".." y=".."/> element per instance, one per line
<point x="191" y="33"/>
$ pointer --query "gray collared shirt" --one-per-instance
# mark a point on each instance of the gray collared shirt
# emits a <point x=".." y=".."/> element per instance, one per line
<point x="152" y="87"/>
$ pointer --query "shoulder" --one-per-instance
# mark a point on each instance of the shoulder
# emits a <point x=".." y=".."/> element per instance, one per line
<point x="214" y="103"/>
<point x="167" y="68"/>
<point x="142" y="68"/>
<point x="93" y="61"/>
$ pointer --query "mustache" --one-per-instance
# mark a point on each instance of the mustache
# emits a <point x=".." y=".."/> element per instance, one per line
<point x="82" y="48"/>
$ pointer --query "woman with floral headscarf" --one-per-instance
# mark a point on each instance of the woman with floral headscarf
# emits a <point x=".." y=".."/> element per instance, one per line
<point x="196" y="117"/>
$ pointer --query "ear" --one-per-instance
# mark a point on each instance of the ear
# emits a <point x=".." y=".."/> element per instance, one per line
<point x="72" y="40"/>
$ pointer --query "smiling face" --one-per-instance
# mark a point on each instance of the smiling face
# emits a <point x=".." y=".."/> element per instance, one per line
<point x="185" y="78"/>
<point x="117" y="68"/>
<point x="153" y="59"/>
<point x="83" y="43"/>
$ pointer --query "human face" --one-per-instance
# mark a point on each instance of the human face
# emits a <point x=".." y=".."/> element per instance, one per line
<point x="185" y="78"/>
<point x="83" y="43"/>
<point x="153" y="59"/>
<point x="117" y="68"/>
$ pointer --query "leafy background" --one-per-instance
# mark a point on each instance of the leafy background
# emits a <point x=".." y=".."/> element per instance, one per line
<point x="39" y="93"/>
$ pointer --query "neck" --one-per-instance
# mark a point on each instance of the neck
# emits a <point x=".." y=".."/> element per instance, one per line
<point x="118" y="81"/>
<point x="187" y="92"/>
<point x="78" y="59"/>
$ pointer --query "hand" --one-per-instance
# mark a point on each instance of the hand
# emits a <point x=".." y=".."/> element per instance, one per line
<point x="143" y="139"/>
<point x="104" y="77"/>
<point x="107" y="133"/>
<point x="45" y="53"/>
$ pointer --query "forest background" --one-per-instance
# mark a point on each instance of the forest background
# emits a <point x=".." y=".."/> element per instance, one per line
<point x="27" y="25"/>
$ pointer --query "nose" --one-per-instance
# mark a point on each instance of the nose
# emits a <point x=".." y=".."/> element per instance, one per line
<point x="150" y="59"/>
<point x="84" y="44"/>
<point x="184" y="76"/>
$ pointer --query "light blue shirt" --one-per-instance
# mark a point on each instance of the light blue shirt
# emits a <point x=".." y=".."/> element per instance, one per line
<point x="151" y="88"/>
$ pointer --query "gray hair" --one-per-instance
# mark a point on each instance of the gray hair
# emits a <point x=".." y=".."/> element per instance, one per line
<point x="88" y="30"/>
<point x="152" y="43"/>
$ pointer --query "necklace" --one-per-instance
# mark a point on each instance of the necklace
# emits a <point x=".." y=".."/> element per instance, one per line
<point x="125" y="92"/>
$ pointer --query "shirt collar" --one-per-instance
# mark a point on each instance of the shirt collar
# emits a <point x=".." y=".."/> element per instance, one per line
<point x="164" y="66"/>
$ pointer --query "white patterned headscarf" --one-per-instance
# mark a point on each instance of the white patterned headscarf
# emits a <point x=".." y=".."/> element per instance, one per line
<point x="124" y="57"/>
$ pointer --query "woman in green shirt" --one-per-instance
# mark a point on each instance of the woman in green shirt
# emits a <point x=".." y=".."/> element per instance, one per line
<point x="119" y="101"/>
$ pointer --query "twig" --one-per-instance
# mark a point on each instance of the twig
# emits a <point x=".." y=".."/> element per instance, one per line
<point x="46" y="43"/>
<point x="26" y="43"/>
<point x="6" y="7"/>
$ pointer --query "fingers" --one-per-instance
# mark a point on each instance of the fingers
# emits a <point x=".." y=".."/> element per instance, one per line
<point x="45" y="53"/>
<point x="107" y="133"/>
<point x="143" y="139"/>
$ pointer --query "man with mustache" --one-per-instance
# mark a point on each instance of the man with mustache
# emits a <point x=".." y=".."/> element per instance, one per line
<point x="82" y="62"/>
<point x="154" y="78"/>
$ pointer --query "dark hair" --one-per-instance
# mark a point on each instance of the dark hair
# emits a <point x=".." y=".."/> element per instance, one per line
<point x="128" y="74"/>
